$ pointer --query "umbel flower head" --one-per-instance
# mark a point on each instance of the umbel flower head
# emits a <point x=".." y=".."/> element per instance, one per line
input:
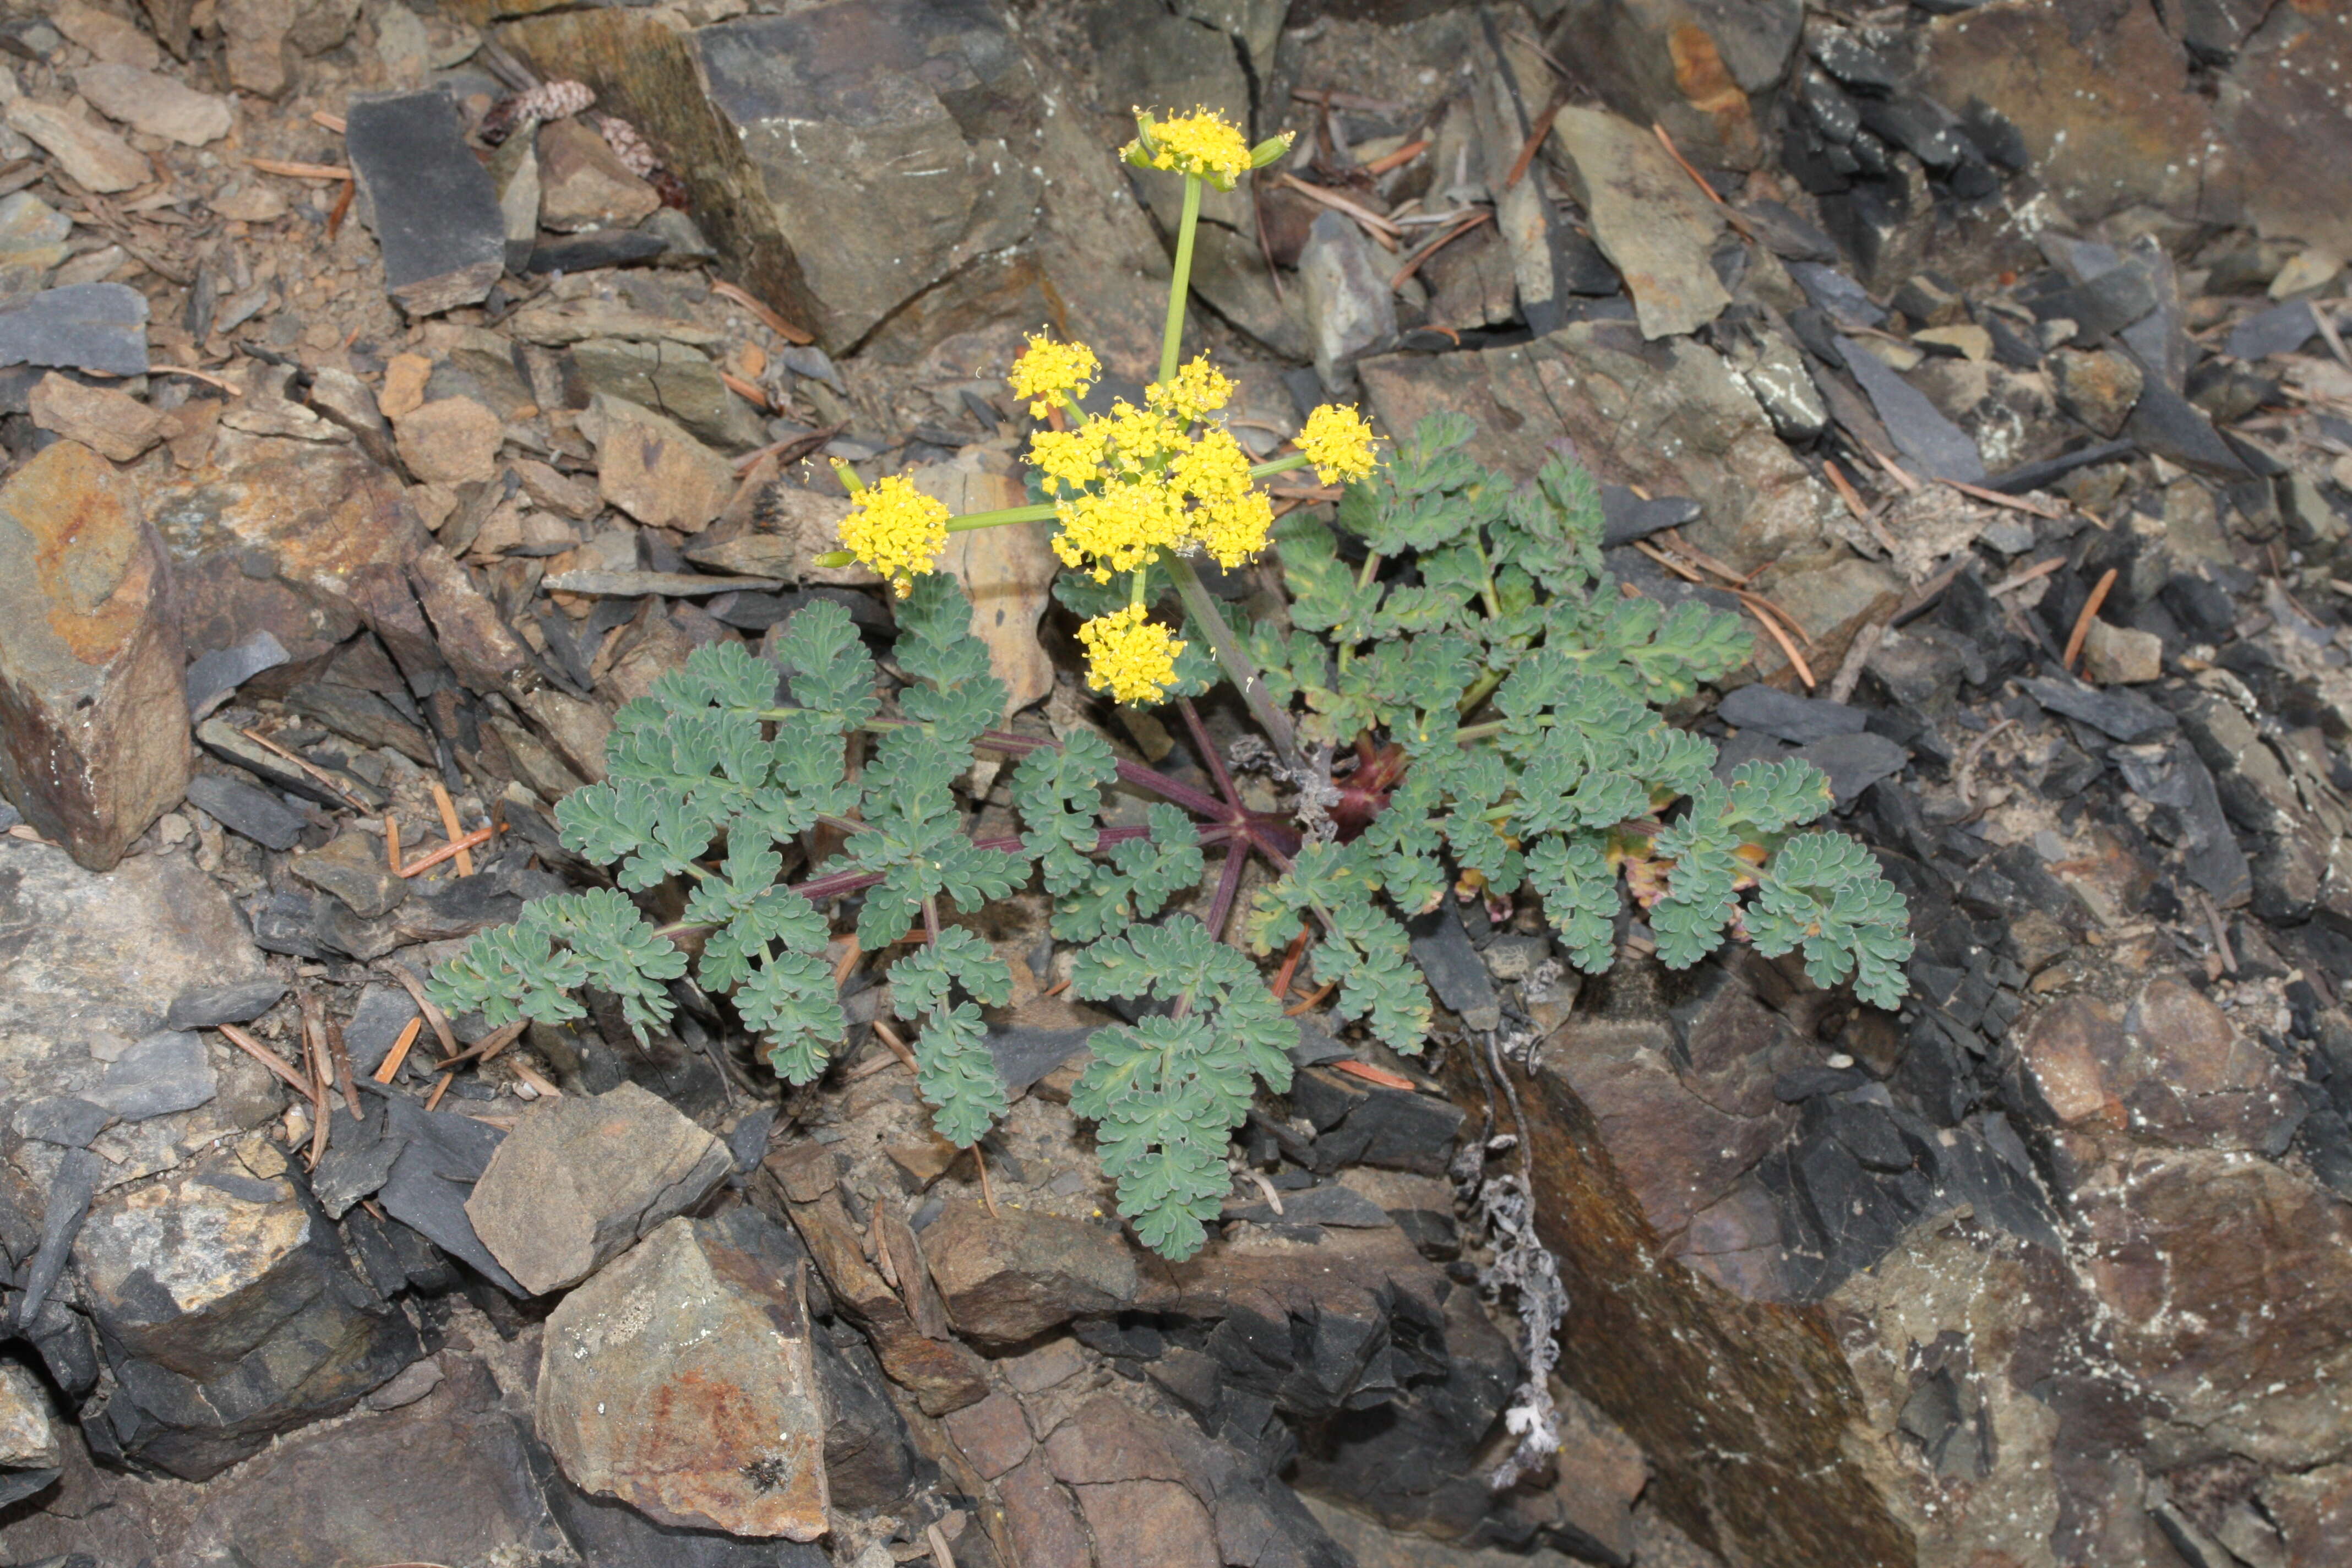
<point x="896" y="530"/>
<point x="1203" y="143"/>
<point x="1048" y="371"/>
<point x="1339" y="442"/>
<point x="1131" y="657"/>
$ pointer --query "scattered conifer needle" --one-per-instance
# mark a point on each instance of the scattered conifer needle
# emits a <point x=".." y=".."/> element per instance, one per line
<point x="400" y="1049"/>
<point x="2082" y="622"/>
<point x="450" y="825"/>
<point x="1372" y="1074"/>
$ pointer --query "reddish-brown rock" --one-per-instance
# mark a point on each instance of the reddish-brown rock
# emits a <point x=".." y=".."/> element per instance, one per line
<point x="682" y="1381"/>
<point x="1044" y="1528"/>
<point x="93" y="708"/>
<point x="993" y="1434"/>
<point x="1011" y="1278"/>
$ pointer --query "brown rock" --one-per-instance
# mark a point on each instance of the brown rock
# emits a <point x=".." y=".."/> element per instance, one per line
<point x="283" y="536"/>
<point x="581" y="1177"/>
<point x="2118" y="656"/>
<point x="943" y="1376"/>
<point x="1646" y="218"/>
<point x="993" y="1434"/>
<point x="155" y="104"/>
<point x="1670" y="417"/>
<point x="451" y="441"/>
<point x="2313" y="1512"/>
<point x="1706" y="74"/>
<point x="651" y="468"/>
<point x="255" y="31"/>
<point x="92" y="154"/>
<point x="577" y="728"/>
<point x="581" y="185"/>
<point x="106" y="35"/>
<point x="1010" y="1278"/>
<point x="682" y="1381"/>
<point x="1044" y="1528"/>
<point x="1158" y="1522"/>
<point x="1007" y="572"/>
<point x="2097" y="387"/>
<point x="404" y="376"/>
<point x="1695" y="1377"/>
<point x="2100" y="95"/>
<point x="93" y="710"/>
<point x="2065" y="1052"/>
<point x="354" y="868"/>
<point x="2227" y="1285"/>
<point x="113" y="424"/>
<point x="471" y="634"/>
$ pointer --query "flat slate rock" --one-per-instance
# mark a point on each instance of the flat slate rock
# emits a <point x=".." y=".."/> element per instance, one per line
<point x="1855" y="761"/>
<point x="1626" y="517"/>
<point x="209" y="1006"/>
<point x="96" y="327"/>
<point x="1332" y="1204"/>
<point x="435" y="1174"/>
<point x="2040" y="475"/>
<point x="213" y="676"/>
<point x="1934" y="445"/>
<point x="2280" y="330"/>
<point x="163" y="1073"/>
<point x="1836" y="294"/>
<point x="434" y="209"/>
<point x="603" y="247"/>
<point x="1797" y="720"/>
<point x="383" y="1011"/>
<point x="2168" y="426"/>
<point x="360" y="1154"/>
<point x="1025" y="1055"/>
<point x="61" y="1118"/>
<point x="1453" y="968"/>
<point x="2126" y="716"/>
<point x="246" y="810"/>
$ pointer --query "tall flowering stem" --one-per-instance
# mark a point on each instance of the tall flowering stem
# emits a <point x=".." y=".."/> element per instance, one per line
<point x="1179" y="285"/>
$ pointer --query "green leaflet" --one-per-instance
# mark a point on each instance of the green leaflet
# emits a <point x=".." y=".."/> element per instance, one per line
<point x="955" y="1067"/>
<point x="1580" y="893"/>
<point x="527" y="970"/>
<point x="1166" y="1092"/>
<point x="1363" y="949"/>
<point x="1824" y="891"/>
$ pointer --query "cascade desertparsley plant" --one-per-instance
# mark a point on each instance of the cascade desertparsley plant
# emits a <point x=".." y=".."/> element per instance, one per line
<point x="1498" y="691"/>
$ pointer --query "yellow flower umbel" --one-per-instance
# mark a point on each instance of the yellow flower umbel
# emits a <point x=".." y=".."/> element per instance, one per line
<point x="1338" y="443"/>
<point x="1202" y="142"/>
<point x="1049" y="371"/>
<point x="1130" y="657"/>
<point x="896" y="530"/>
<point x="1198" y="390"/>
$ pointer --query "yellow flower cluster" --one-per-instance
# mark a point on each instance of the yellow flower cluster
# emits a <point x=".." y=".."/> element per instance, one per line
<point x="1338" y="443"/>
<point x="1047" y="371"/>
<point x="1201" y="143"/>
<point x="1145" y="483"/>
<point x="1130" y="657"/>
<point x="896" y="530"/>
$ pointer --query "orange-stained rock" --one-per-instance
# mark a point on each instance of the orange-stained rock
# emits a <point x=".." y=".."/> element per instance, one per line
<point x="681" y="1380"/>
<point x="93" y="707"/>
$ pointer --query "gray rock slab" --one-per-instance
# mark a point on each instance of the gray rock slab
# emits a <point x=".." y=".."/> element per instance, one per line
<point x="1855" y="760"/>
<point x="1626" y="517"/>
<point x="444" y="1155"/>
<point x="213" y="676"/>
<point x="247" y="810"/>
<point x="433" y="207"/>
<point x="1797" y="720"/>
<point x="1650" y="221"/>
<point x="1454" y="969"/>
<point x="1932" y="444"/>
<point x="1350" y="306"/>
<point x="360" y="1154"/>
<point x="2280" y="330"/>
<point x="165" y="1072"/>
<point x="2126" y="716"/>
<point x="66" y="1121"/>
<point x="582" y="1177"/>
<point x="96" y="327"/>
<point x="383" y="1011"/>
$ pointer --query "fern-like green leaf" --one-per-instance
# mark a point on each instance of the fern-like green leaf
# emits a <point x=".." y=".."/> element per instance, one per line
<point x="1581" y="894"/>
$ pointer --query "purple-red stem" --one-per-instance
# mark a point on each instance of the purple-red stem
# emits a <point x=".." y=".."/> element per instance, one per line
<point x="1229" y="883"/>
<point x="1209" y="753"/>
